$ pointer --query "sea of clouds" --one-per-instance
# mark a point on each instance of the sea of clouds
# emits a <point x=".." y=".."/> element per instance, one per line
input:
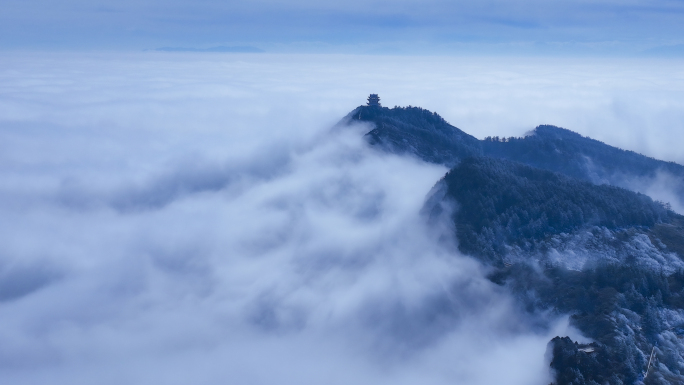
<point x="193" y="218"/>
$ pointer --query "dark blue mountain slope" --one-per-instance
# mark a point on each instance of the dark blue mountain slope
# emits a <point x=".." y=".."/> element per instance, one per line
<point x="605" y="255"/>
<point x="508" y="203"/>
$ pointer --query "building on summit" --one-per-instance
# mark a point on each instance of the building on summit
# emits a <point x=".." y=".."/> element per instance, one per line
<point x="374" y="100"/>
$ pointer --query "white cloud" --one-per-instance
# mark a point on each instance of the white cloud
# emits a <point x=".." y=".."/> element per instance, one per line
<point x="190" y="218"/>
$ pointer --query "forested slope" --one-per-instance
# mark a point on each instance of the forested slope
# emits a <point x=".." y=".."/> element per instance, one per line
<point x="565" y="245"/>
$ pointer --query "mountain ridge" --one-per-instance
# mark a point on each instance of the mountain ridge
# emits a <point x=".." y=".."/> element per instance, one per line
<point x="557" y="220"/>
<point x="425" y="134"/>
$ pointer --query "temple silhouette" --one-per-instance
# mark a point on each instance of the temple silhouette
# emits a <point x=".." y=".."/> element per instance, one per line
<point x="374" y="100"/>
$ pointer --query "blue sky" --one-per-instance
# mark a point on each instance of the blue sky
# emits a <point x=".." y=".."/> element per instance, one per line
<point x="602" y="27"/>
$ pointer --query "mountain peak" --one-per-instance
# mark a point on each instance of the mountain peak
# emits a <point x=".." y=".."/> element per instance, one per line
<point x="415" y="130"/>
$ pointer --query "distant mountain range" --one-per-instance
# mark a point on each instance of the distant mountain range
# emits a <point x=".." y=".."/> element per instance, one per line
<point x="560" y="221"/>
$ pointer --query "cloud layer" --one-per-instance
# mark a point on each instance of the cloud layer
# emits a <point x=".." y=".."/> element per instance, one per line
<point x="182" y="218"/>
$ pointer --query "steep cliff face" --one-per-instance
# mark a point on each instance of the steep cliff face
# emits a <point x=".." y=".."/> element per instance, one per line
<point x="536" y="211"/>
